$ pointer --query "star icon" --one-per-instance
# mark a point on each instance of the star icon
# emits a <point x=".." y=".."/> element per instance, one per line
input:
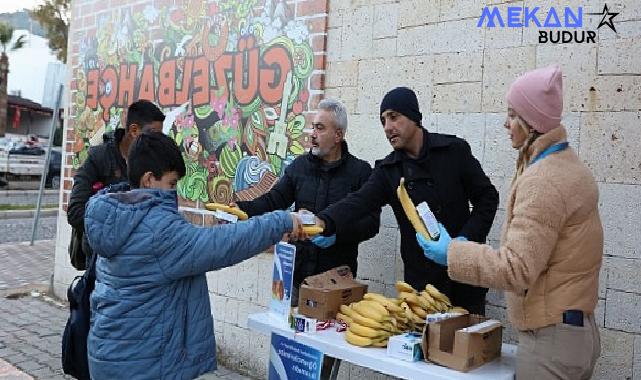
<point x="607" y="18"/>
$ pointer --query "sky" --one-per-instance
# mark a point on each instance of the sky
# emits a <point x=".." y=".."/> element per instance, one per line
<point x="7" y="6"/>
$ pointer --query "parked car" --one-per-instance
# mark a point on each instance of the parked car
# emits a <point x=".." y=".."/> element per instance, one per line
<point x="28" y="150"/>
<point x="25" y="163"/>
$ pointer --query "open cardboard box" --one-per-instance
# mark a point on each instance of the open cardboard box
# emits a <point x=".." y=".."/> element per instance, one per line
<point x="445" y="343"/>
<point x="322" y="295"/>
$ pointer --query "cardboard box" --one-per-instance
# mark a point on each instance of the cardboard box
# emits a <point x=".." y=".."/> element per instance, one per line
<point x="463" y="342"/>
<point x="321" y="296"/>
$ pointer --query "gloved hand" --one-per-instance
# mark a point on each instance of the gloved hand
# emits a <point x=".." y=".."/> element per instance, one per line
<point x="324" y="241"/>
<point x="436" y="250"/>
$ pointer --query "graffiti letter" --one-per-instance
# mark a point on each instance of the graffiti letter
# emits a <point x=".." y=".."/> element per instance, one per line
<point x="212" y="53"/>
<point x="167" y="83"/>
<point x="92" y="89"/>
<point x="200" y="93"/>
<point x="147" y="86"/>
<point x="221" y="67"/>
<point x="272" y="77"/>
<point x="246" y="71"/>
<point x="108" y="98"/>
<point x="127" y="84"/>
<point x="182" y="95"/>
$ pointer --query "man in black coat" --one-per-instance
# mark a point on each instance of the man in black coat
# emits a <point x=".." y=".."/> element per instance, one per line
<point x="105" y="166"/>
<point x="439" y="169"/>
<point x="316" y="180"/>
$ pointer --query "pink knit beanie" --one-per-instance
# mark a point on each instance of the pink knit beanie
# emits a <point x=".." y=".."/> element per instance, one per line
<point x="537" y="96"/>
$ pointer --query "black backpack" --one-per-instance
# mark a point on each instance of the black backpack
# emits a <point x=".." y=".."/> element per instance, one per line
<point x="76" y="250"/>
<point x="74" y="339"/>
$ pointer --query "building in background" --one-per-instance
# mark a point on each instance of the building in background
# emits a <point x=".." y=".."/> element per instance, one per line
<point x="26" y="117"/>
<point x="29" y="67"/>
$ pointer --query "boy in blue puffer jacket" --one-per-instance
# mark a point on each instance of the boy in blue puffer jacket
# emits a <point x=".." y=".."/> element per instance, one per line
<point x="150" y="313"/>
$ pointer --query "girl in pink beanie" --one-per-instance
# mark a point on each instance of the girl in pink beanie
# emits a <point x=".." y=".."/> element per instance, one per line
<point x="551" y="244"/>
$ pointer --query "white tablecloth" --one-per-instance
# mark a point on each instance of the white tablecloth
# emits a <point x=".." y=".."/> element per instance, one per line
<point x="333" y="344"/>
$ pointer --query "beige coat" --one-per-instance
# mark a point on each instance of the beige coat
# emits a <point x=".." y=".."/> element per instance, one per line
<point x="551" y="242"/>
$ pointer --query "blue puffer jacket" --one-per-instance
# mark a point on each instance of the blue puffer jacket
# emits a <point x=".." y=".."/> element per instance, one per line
<point x="150" y="313"/>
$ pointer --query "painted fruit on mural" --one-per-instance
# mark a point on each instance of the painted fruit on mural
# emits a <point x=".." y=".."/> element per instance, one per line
<point x="231" y="76"/>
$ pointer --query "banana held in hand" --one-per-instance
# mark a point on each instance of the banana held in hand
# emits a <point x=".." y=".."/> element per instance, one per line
<point x="410" y="210"/>
<point x="228" y="209"/>
<point x="312" y="230"/>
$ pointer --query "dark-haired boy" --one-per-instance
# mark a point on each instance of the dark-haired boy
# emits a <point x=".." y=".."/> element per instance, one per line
<point x="150" y="310"/>
<point x="104" y="166"/>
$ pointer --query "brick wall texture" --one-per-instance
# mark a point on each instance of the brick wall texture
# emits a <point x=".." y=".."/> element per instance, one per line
<point x="362" y="49"/>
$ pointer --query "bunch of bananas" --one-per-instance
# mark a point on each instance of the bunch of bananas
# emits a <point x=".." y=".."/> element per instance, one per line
<point x="370" y="322"/>
<point x="418" y="305"/>
<point x="374" y="319"/>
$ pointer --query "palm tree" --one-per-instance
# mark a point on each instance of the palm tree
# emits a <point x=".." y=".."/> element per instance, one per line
<point x="6" y="35"/>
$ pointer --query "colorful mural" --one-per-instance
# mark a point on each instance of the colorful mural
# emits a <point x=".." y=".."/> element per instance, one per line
<point x="232" y="77"/>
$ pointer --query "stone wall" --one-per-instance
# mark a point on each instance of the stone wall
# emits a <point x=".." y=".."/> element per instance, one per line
<point x="461" y="73"/>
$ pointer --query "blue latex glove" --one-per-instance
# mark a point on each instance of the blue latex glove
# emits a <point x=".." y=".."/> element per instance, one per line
<point x="436" y="250"/>
<point x="324" y="241"/>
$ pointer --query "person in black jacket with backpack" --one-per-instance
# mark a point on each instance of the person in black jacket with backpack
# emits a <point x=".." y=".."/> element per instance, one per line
<point x="439" y="169"/>
<point x="314" y="181"/>
<point x="104" y="166"/>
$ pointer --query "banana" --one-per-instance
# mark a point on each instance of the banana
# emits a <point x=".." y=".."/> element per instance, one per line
<point x="384" y="301"/>
<point x="347" y="311"/>
<point x="365" y="331"/>
<point x="231" y="210"/>
<point x="420" y="312"/>
<point x="357" y="318"/>
<point x="403" y="286"/>
<point x="409" y="298"/>
<point x="426" y="301"/>
<point x="410" y="210"/>
<point x="382" y="343"/>
<point x="312" y="230"/>
<point x="372" y="310"/>
<point x="431" y="289"/>
<point x="411" y="315"/>
<point x="344" y="318"/>
<point x="357" y="340"/>
<point x="458" y="309"/>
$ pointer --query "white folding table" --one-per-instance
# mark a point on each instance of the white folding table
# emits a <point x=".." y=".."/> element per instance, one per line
<point x="333" y="344"/>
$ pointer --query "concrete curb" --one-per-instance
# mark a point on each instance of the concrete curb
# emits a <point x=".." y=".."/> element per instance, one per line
<point x="9" y="193"/>
<point x="24" y="214"/>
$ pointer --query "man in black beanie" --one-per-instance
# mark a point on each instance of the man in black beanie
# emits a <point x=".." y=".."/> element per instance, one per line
<point x="438" y="169"/>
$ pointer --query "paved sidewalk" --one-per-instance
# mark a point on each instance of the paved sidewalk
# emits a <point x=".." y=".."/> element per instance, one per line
<point x="25" y="267"/>
<point x="31" y="323"/>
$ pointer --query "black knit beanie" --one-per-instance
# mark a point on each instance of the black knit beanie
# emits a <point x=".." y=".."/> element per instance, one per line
<point x="402" y="100"/>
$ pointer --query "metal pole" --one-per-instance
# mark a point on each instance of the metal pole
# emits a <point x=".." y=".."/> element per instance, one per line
<point x="43" y="179"/>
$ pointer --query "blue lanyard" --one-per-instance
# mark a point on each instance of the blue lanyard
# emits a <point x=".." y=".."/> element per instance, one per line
<point x="553" y="149"/>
